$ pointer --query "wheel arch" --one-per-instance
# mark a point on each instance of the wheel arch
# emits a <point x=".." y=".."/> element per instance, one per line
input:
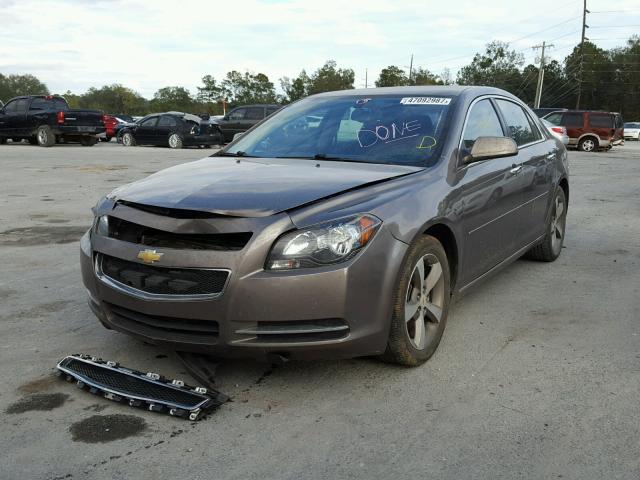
<point x="446" y="236"/>
<point x="587" y="135"/>
<point x="564" y="184"/>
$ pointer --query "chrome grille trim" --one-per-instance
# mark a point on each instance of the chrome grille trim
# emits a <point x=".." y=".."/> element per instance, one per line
<point x="134" y="292"/>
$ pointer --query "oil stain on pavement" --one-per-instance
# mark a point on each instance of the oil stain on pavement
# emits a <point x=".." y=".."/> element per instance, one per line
<point x="107" y="428"/>
<point x="39" y="401"/>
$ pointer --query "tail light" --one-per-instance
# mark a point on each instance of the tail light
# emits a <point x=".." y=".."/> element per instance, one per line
<point x="60" y="117"/>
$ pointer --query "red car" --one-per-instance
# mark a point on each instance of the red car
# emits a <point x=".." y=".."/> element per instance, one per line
<point x="590" y="130"/>
<point x="110" y="123"/>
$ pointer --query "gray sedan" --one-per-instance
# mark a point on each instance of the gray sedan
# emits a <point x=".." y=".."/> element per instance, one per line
<point x="341" y="226"/>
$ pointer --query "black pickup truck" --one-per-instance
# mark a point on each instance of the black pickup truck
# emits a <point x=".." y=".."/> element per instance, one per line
<point x="46" y="119"/>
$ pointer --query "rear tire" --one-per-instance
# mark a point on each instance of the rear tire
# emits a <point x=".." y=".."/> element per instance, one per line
<point x="551" y="246"/>
<point x="88" y="141"/>
<point x="128" y="140"/>
<point x="420" y="304"/>
<point x="45" y="136"/>
<point x="588" y="144"/>
<point x="175" y="141"/>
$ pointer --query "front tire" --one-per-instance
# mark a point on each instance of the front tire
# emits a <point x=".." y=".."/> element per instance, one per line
<point x="551" y="246"/>
<point x="175" y="141"/>
<point x="45" y="136"/>
<point x="420" y="304"/>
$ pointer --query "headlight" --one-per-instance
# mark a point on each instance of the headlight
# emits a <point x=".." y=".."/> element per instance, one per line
<point x="101" y="225"/>
<point x="323" y="244"/>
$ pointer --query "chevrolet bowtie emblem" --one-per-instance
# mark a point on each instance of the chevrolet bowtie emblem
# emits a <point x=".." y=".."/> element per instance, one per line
<point x="149" y="256"/>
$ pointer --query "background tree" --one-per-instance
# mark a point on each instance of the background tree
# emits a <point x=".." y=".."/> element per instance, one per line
<point x="172" y="99"/>
<point x="422" y="76"/>
<point x="597" y="68"/>
<point x="329" y="78"/>
<point x="16" y="85"/>
<point x="113" y="99"/>
<point x="211" y="91"/>
<point x="243" y="89"/>
<point x="497" y="67"/>
<point x="295" y="89"/>
<point x="392" y="76"/>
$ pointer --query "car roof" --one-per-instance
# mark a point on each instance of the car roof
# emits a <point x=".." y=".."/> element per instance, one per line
<point x="450" y="90"/>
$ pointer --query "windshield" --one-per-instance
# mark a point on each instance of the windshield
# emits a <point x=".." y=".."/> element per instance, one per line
<point x="632" y="125"/>
<point x="377" y="129"/>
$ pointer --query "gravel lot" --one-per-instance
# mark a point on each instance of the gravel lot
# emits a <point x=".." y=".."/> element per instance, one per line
<point x="538" y="374"/>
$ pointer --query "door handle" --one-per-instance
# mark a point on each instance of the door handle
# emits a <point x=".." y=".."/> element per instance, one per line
<point x="515" y="170"/>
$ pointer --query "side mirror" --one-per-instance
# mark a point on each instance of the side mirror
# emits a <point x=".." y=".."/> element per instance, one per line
<point x="491" y="147"/>
<point x="237" y="136"/>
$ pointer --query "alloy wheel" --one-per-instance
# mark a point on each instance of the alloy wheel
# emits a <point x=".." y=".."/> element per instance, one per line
<point x="558" y="221"/>
<point x="424" y="301"/>
<point x="588" y="145"/>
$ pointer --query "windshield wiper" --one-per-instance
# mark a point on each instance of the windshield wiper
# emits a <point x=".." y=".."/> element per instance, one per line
<point x="239" y="153"/>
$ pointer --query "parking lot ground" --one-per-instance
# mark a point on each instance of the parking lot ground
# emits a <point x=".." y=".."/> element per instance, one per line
<point x="538" y="374"/>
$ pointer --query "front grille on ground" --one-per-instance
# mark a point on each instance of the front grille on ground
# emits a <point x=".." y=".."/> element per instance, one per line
<point x="166" y="328"/>
<point x="162" y="280"/>
<point x="134" y="233"/>
<point x="298" y="331"/>
<point x="150" y="390"/>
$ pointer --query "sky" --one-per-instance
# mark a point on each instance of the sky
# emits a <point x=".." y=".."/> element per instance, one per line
<point x="150" y="44"/>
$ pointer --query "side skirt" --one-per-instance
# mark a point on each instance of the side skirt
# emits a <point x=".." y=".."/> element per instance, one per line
<point x="507" y="261"/>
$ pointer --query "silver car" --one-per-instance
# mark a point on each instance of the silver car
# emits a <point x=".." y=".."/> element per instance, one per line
<point x="557" y="131"/>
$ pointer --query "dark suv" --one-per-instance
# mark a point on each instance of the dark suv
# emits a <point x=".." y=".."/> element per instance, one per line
<point x="241" y="119"/>
<point x="589" y="130"/>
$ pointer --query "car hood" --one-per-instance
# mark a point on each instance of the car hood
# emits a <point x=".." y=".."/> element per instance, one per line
<point x="253" y="187"/>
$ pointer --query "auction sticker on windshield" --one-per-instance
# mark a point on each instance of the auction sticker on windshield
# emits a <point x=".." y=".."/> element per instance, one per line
<point x="425" y="101"/>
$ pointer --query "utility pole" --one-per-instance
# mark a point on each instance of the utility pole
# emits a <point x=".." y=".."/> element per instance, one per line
<point x="584" y="27"/>
<point x="411" y="69"/>
<point x="366" y="78"/>
<point x="536" y="103"/>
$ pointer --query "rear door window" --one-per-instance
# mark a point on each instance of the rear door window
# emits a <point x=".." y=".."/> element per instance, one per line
<point x="254" y="113"/>
<point x="572" y="120"/>
<point x="167" y="121"/>
<point x="519" y="126"/>
<point x="40" y="104"/>
<point x="482" y="122"/>
<point x="271" y="110"/>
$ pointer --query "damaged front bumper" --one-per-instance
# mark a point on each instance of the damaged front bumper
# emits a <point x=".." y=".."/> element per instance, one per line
<point x="336" y="311"/>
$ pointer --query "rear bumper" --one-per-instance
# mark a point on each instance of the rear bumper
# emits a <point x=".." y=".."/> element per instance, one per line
<point x="214" y="139"/>
<point x="79" y="131"/>
<point x="330" y="312"/>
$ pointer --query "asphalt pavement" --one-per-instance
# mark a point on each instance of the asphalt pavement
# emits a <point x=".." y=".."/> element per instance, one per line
<point x="537" y="376"/>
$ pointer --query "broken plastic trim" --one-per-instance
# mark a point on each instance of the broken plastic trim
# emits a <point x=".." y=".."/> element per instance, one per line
<point x="150" y="391"/>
